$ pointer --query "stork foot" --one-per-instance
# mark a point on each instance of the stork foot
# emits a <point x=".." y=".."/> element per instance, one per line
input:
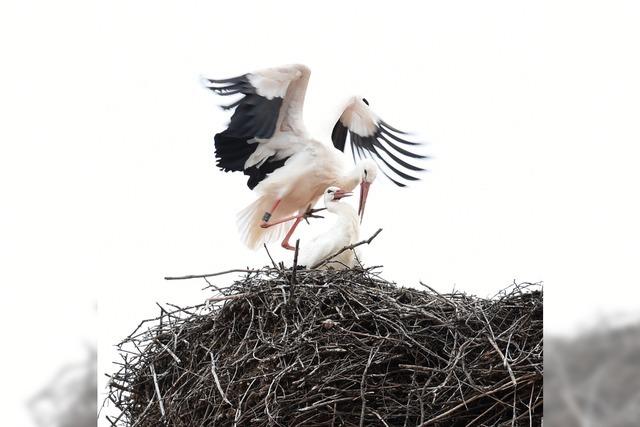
<point x="311" y="213"/>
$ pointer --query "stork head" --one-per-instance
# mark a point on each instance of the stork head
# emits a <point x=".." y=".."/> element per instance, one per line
<point x="368" y="173"/>
<point x="333" y="194"/>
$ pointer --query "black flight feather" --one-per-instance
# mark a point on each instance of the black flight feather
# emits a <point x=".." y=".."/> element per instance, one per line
<point x="400" y="150"/>
<point x="254" y="116"/>
<point x="339" y="135"/>
<point x="257" y="174"/>
<point x="232" y="152"/>
<point x="372" y="146"/>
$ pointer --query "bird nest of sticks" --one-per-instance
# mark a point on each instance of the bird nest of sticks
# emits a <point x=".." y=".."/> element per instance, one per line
<point x="283" y="347"/>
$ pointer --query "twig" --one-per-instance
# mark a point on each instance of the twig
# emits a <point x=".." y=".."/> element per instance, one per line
<point x="465" y="403"/>
<point x="176" y="358"/>
<point x="217" y="381"/>
<point x="226" y="297"/>
<point x="201" y="276"/>
<point x="270" y="257"/>
<point x="293" y="272"/>
<point x="155" y="383"/>
<point x="506" y="364"/>
<point x="346" y="248"/>
<point x="236" y="417"/>
<point x="211" y="285"/>
<point x="363" y="386"/>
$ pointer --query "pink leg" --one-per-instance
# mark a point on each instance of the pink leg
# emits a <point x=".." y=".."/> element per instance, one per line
<point x="285" y="242"/>
<point x="280" y="221"/>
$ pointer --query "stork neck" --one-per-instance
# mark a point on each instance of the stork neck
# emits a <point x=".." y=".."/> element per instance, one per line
<point x="346" y="214"/>
<point x="351" y="179"/>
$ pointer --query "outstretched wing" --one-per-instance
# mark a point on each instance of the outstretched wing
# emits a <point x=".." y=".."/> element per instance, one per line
<point x="369" y="136"/>
<point x="270" y="101"/>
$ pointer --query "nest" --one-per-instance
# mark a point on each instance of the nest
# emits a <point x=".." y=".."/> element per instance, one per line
<point x="335" y="348"/>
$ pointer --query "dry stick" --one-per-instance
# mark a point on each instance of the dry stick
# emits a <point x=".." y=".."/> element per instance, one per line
<point x="227" y="297"/>
<point x="212" y="285"/>
<point x="495" y="345"/>
<point x="419" y="368"/>
<point x="293" y="273"/>
<point x="202" y="276"/>
<point x="483" y="414"/>
<point x="270" y="257"/>
<point x="323" y="403"/>
<point x="145" y="410"/>
<point x="346" y="248"/>
<point x="215" y="378"/>
<point x="363" y="387"/>
<point x="241" y="270"/>
<point x="533" y="387"/>
<point x="155" y="382"/>
<point x="236" y="418"/>
<point x="176" y="358"/>
<point x="476" y="397"/>
<point x="380" y="418"/>
<point x="529" y="413"/>
<point x="508" y="366"/>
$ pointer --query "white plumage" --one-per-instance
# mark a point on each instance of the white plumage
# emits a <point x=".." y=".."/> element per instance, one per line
<point x="267" y="140"/>
<point x="343" y="232"/>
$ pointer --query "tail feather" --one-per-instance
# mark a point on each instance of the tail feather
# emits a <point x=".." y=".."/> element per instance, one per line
<point x="249" y="220"/>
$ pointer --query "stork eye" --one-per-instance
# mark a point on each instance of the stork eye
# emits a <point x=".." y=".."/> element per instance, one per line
<point x="365" y="101"/>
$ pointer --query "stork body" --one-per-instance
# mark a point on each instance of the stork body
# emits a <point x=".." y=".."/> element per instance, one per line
<point x="266" y="139"/>
<point x="344" y="231"/>
<point x="289" y="191"/>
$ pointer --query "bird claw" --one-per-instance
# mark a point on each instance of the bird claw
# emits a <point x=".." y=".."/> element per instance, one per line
<point x="311" y="213"/>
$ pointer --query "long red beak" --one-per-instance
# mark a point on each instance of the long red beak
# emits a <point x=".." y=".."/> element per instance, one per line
<point x="339" y="194"/>
<point x="364" y="192"/>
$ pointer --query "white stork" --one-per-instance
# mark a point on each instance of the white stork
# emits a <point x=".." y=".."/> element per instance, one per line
<point x="344" y="232"/>
<point x="267" y="140"/>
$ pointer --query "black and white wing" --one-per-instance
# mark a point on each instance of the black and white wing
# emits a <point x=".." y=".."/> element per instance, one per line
<point x="371" y="137"/>
<point x="269" y="101"/>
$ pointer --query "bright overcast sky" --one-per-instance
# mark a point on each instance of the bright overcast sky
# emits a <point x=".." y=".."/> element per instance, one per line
<point x="108" y="178"/>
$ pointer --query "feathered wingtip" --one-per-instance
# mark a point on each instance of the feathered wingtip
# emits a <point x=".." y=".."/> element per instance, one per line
<point x="231" y="86"/>
<point x="204" y="81"/>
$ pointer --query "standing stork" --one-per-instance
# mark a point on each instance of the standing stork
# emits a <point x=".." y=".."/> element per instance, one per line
<point x="267" y="140"/>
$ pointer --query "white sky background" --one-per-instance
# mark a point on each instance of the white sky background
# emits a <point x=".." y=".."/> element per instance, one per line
<point x="108" y="180"/>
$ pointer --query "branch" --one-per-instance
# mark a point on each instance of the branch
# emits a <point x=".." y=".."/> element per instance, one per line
<point x="269" y="254"/>
<point x="242" y="270"/>
<point x="202" y="276"/>
<point x="227" y="297"/>
<point x="155" y="383"/>
<point x="215" y="378"/>
<point x="293" y="272"/>
<point x="346" y="248"/>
